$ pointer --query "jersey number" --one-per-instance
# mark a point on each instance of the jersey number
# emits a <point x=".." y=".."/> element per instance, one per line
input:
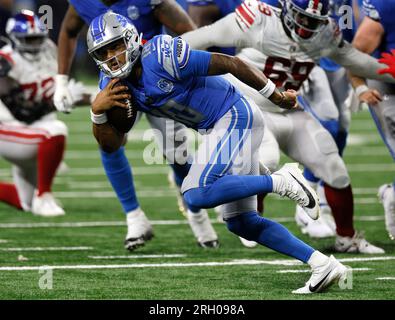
<point x="299" y="72"/>
<point x="178" y="112"/>
<point x="31" y="89"/>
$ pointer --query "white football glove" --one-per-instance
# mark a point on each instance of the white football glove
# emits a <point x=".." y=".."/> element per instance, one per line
<point x="63" y="99"/>
<point x="76" y="89"/>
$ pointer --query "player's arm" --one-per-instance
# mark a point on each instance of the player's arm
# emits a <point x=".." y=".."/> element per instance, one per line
<point x="107" y="136"/>
<point x="225" y="32"/>
<point x="173" y="17"/>
<point x="252" y="76"/>
<point x="367" y="40"/>
<point x="204" y="15"/>
<point x="71" y="26"/>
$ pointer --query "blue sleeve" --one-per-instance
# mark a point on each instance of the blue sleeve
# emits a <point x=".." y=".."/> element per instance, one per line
<point x="178" y="59"/>
<point x="374" y="9"/>
<point x="103" y="81"/>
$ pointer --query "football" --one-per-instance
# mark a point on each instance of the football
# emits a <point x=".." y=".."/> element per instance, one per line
<point x="123" y="119"/>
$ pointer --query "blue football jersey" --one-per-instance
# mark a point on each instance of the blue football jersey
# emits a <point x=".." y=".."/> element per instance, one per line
<point x="174" y="84"/>
<point x="139" y="11"/>
<point x="383" y="11"/>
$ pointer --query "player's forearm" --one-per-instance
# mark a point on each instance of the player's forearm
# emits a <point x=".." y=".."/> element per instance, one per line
<point x="223" y="33"/>
<point x="360" y="64"/>
<point x="173" y="17"/>
<point x="222" y="64"/>
<point x="109" y="139"/>
<point x="66" y="50"/>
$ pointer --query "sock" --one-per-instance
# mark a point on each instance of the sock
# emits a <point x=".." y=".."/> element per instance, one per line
<point x="9" y="195"/>
<point x="317" y="259"/>
<point x="269" y="233"/>
<point x="119" y="173"/>
<point x="227" y="189"/>
<point x="261" y="204"/>
<point x="341" y="141"/>
<point x="180" y="172"/>
<point x="342" y="205"/>
<point x="49" y="155"/>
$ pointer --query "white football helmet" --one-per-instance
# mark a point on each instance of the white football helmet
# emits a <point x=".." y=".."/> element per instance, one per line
<point x="107" y="31"/>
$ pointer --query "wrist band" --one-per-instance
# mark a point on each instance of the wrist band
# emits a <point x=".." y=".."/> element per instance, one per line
<point x="98" y="118"/>
<point x="361" y="89"/>
<point x="268" y="90"/>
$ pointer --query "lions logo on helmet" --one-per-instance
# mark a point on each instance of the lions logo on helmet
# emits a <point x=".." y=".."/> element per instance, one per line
<point x="111" y="29"/>
<point x="304" y="19"/>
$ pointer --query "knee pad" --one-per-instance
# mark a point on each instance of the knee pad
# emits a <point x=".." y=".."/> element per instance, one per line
<point x="335" y="172"/>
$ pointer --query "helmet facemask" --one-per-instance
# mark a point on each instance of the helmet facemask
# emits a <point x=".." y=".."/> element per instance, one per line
<point x="128" y="49"/>
<point x="303" y="25"/>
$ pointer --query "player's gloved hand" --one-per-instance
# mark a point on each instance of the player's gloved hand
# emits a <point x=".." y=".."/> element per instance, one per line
<point x="77" y="90"/>
<point x="289" y="100"/>
<point x="63" y="99"/>
<point x="389" y="60"/>
<point x="110" y="96"/>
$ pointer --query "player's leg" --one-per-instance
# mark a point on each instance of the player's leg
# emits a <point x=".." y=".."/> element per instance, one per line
<point x="319" y="153"/>
<point x="29" y="148"/>
<point x="243" y="219"/>
<point x="172" y="139"/>
<point x="384" y="117"/>
<point x="208" y="184"/>
<point x="119" y="173"/>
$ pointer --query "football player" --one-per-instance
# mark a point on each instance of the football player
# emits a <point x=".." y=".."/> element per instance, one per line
<point x="31" y="137"/>
<point x="225" y="168"/>
<point x="149" y="16"/>
<point x="377" y="35"/>
<point x="284" y="44"/>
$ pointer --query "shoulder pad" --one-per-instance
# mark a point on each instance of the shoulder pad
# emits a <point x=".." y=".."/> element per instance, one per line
<point x="173" y="54"/>
<point x="251" y="12"/>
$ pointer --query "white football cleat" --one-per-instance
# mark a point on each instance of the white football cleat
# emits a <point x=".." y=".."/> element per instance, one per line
<point x="323" y="277"/>
<point x="46" y="206"/>
<point x="356" y="244"/>
<point x="248" y="243"/>
<point x="139" y="229"/>
<point x="387" y="198"/>
<point x="202" y="229"/>
<point x="313" y="228"/>
<point x="294" y="186"/>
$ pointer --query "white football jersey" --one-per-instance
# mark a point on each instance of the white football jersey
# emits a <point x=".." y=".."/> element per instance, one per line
<point x="286" y="62"/>
<point x="36" y="77"/>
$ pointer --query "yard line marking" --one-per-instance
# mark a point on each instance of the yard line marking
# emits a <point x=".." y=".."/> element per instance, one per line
<point x="385" y="258"/>
<point x="371" y="167"/>
<point x="3" y="241"/>
<point x="362" y="139"/>
<point x="151" y="170"/>
<point x="83" y="224"/>
<point x="242" y="262"/>
<point x="386" y="278"/>
<point x="94" y="154"/>
<point x="309" y="270"/>
<point x="48" y="249"/>
<point x="146" y="265"/>
<point x="138" y="256"/>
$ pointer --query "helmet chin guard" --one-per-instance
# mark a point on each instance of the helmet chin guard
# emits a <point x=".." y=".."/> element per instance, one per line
<point x="104" y="31"/>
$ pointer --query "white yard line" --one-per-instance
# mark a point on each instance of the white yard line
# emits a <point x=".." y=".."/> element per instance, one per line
<point x="84" y="224"/>
<point x="48" y="249"/>
<point x="308" y="270"/>
<point x="386" y="278"/>
<point x="173" y="265"/>
<point x="3" y="241"/>
<point x="138" y="256"/>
